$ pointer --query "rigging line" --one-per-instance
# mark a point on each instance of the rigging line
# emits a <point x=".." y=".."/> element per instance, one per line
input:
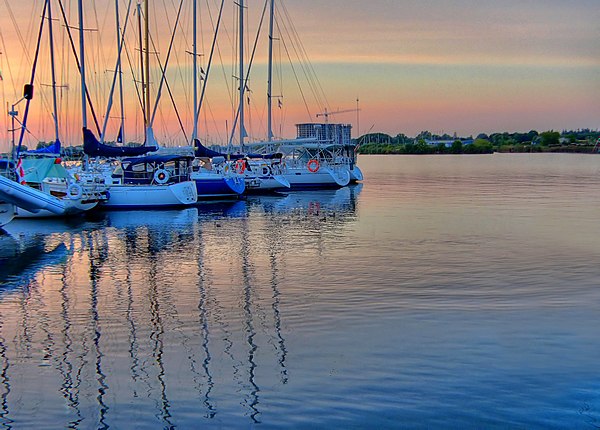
<point x="114" y="81"/>
<point x="250" y="63"/>
<point x="19" y="35"/>
<point x="178" y="69"/>
<point x="234" y="62"/>
<point x="163" y="77"/>
<point x="311" y="74"/>
<point x="35" y="60"/>
<point x="163" y="71"/>
<point x="305" y="69"/>
<point x="212" y="115"/>
<point x="225" y="79"/>
<point x="132" y="69"/>
<point x="87" y="93"/>
<point x="45" y="103"/>
<point x="101" y="84"/>
<point x="212" y="50"/>
<point x="12" y="79"/>
<point x="295" y="76"/>
<point x="305" y="54"/>
<point x="96" y="82"/>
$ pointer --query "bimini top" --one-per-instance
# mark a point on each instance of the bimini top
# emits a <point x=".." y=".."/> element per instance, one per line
<point x="93" y="148"/>
<point x="154" y="159"/>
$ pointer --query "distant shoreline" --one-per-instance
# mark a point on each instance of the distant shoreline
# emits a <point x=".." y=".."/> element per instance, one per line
<point x="563" y="149"/>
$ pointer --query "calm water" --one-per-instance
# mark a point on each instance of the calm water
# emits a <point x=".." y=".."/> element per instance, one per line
<point x="444" y="292"/>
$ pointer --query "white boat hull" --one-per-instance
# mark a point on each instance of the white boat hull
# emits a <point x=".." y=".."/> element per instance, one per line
<point x="151" y="196"/>
<point x="356" y="174"/>
<point x="266" y="183"/>
<point x="325" y="177"/>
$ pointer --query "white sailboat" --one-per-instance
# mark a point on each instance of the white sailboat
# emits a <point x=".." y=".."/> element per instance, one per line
<point x="140" y="181"/>
<point x="322" y="155"/>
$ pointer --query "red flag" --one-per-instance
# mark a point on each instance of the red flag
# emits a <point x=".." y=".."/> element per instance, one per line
<point x="20" y="172"/>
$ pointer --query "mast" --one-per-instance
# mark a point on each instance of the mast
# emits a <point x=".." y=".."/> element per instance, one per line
<point x="242" y="83"/>
<point x="195" y="55"/>
<point x="119" y="71"/>
<point x="53" y="71"/>
<point x="82" y="60"/>
<point x="270" y="76"/>
<point x="143" y="80"/>
<point x="147" y="65"/>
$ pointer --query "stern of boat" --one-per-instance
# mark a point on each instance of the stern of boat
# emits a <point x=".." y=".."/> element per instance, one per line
<point x="185" y="192"/>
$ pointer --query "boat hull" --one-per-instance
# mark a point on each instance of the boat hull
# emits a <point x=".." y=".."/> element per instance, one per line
<point x="356" y="174"/>
<point x="212" y="185"/>
<point x="258" y="184"/>
<point x="151" y="196"/>
<point x="325" y="177"/>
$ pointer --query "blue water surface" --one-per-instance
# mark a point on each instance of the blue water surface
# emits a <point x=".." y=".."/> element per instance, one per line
<point x="443" y="292"/>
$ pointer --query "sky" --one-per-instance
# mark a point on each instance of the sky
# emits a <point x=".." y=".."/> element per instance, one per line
<point x="455" y="66"/>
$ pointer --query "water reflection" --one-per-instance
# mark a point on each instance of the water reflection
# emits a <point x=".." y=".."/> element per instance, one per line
<point x="159" y="318"/>
<point x="21" y="261"/>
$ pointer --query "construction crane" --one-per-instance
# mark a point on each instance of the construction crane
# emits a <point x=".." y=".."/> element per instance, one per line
<point x="326" y="114"/>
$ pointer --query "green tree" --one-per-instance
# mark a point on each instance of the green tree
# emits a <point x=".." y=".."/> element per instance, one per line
<point x="549" y="138"/>
<point x="479" y="146"/>
<point x="457" y="147"/>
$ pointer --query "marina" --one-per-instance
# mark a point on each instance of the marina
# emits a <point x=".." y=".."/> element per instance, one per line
<point x="304" y="215"/>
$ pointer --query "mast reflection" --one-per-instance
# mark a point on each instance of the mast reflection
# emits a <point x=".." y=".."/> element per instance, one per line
<point x="163" y="317"/>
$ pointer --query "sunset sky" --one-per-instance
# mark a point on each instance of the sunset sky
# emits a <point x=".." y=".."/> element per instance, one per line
<point x="461" y="66"/>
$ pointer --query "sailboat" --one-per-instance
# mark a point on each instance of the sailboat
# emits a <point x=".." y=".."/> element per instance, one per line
<point x="44" y="187"/>
<point x="141" y="180"/>
<point x="321" y="156"/>
<point x="215" y="176"/>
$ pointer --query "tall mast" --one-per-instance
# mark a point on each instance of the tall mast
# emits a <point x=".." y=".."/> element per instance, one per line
<point x="82" y="60"/>
<point x="242" y="82"/>
<point x="270" y="76"/>
<point x="143" y="80"/>
<point x="119" y="71"/>
<point x="147" y="65"/>
<point x="195" y="55"/>
<point x="53" y="71"/>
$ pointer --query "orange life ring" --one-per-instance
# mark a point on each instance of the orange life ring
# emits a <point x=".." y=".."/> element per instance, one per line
<point x="312" y="165"/>
<point x="240" y="166"/>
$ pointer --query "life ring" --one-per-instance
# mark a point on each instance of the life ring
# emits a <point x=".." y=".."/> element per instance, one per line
<point x="266" y="171"/>
<point x="161" y="176"/>
<point x="240" y="166"/>
<point x="313" y="165"/>
<point x="74" y="191"/>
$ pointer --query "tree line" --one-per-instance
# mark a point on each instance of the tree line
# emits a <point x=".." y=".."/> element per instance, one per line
<point x="583" y="140"/>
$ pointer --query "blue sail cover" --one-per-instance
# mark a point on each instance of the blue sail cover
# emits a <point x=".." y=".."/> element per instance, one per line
<point x="93" y="148"/>
<point x="202" y="151"/>
<point x="54" y="148"/>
